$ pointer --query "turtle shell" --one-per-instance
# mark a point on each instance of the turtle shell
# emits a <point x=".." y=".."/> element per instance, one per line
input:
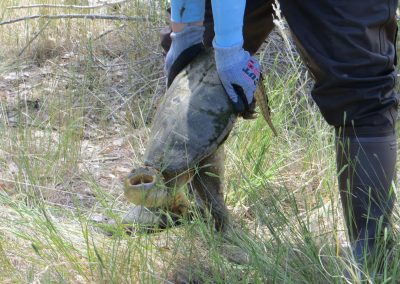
<point x="195" y="117"/>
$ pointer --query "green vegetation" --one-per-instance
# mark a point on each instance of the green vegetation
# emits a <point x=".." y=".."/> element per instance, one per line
<point x="76" y="100"/>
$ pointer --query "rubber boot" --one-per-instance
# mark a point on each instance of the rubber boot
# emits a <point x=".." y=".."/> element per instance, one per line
<point x="366" y="169"/>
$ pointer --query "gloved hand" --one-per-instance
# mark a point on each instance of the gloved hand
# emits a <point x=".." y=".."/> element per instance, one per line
<point x="239" y="73"/>
<point x="190" y="36"/>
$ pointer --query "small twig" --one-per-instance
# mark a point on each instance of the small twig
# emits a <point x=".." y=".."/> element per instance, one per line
<point x="77" y="16"/>
<point x="105" y="159"/>
<point x="109" y="31"/>
<point x="146" y="84"/>
<point x="32" y="39"/>
<point x="65" y="6"/>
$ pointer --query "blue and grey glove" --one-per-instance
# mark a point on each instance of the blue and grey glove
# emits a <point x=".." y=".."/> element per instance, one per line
<point x="239" y="73"/>
<point x="185" y="45"/>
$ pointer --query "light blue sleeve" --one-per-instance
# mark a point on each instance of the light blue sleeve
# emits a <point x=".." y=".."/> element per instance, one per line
<point x="187" y="11"/>
<point x="228" y="22"/>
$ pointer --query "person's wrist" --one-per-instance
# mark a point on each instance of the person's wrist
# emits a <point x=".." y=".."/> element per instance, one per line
<point x="188" y="36"/>
<point x="230" y="38"/>
<point x="226" y="57"/>
<point x="178" y="27"/>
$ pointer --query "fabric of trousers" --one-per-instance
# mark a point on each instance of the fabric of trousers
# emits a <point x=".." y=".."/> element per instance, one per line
<point x="348" y="47"/>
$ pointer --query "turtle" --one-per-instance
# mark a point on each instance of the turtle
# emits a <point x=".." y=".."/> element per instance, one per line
<point x="185" y="147"/>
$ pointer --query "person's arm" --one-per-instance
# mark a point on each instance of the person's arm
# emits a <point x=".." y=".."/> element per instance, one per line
<point x="228" y="22"/>
<point x="187" y="35"/>
<point x="186" y="13"/>
<point x="238" y="71"/>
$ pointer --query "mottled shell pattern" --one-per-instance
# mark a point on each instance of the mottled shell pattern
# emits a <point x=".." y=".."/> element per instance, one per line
<point x="194" y="117"/>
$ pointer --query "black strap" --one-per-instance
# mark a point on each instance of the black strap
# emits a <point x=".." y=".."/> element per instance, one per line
<point x="183" y="60"/>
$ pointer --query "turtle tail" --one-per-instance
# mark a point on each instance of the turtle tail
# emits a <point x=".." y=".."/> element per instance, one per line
<point x="262" y="101"/>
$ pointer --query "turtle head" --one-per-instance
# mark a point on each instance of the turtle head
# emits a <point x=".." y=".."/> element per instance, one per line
<point x="145" y="186"/>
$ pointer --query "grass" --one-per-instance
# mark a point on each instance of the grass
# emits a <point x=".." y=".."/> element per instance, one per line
<point x="75" y="107"/>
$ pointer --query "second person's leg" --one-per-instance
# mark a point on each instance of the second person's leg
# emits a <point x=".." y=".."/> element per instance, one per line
<point x="349" y="47"/>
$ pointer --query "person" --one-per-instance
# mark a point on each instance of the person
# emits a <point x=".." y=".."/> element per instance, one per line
<point x="349" y="48"/>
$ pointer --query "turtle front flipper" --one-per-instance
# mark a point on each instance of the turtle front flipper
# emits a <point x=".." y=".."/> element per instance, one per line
<point x="208" y="183"/>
